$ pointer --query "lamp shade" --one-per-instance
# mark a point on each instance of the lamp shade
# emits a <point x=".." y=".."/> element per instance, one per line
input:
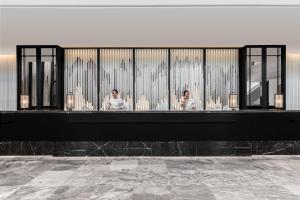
<point x="70" y="103"/>
<point x="24" y="101"/>
<point x="233" y="100"/>
<point x="278" y="101"/>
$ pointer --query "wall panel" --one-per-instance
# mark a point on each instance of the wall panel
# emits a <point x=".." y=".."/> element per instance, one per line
<point x="8" y="83"/>
<point x="293" y="82"/>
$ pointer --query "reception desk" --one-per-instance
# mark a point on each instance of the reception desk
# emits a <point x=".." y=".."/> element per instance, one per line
<point x="149" y="126"/>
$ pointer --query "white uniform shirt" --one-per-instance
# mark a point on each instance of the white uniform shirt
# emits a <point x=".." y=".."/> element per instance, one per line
<point x="190" y="104"/>
<point x="115" y="104"/>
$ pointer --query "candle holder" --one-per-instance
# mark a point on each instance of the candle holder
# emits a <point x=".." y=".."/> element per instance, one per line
<point x="233" y="101"/>
<point x="279" y="101"/>
<point x="70" y="103"/>
<point x="24" y="101"/>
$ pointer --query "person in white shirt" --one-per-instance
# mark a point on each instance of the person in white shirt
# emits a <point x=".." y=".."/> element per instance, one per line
<point x="115" y="103"/>
<point x="186" y="102"/>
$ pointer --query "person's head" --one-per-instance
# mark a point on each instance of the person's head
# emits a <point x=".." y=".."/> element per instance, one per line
<point x="115" y="93"/>
<point x="186" y="93"/>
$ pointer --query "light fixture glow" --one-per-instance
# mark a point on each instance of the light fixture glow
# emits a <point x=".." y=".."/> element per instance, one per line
<point x="233" y="101"/>
<point x="70" y="101"/>
<point x="24" y="101"/>
<point x="279" y="101"/>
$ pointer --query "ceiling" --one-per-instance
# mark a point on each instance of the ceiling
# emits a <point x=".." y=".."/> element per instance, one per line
<point x="148" y="26"/>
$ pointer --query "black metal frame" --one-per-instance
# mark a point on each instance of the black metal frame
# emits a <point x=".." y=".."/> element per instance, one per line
<point x="60" y="71"/>
<point x="39" y="77"/>
<point x="243" y="75"/>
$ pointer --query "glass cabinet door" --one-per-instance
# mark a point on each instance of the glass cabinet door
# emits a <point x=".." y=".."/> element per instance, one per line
<point x="273" y="73"/>
<point x="29" y="75"/>
<point x="254" y="76"/>
<point x="264" y="75"/>
<point x="49" y="70"/>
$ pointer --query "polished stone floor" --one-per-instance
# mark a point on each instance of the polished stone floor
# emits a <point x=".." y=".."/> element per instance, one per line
<point x="150" y="178"/>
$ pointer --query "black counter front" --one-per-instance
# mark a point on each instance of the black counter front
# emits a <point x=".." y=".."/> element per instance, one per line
<point x="149" y="126"/>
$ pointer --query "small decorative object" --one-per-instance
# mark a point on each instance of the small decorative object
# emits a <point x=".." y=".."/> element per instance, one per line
<point x="24" y="101"/>
<point x="70" y="102"/>
<point x="278" y="101"/>
<point x="233" y="101"/>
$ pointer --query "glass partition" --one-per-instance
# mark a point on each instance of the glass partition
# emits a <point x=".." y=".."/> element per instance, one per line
<point x="221" y="77"/>
<point x="116" y="72"/>
<point x="81" y="77"/>
<point x="151" y="79"/>
<point x="186" y="73"/>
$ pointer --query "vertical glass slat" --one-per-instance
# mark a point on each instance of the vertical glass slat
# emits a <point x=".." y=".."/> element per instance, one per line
<point x="116" y="68"/>
<point x="221" y="77"/>
<point x="80" y="74"/>
<point x="151" y="79"/>
<point x="186" y="74"/>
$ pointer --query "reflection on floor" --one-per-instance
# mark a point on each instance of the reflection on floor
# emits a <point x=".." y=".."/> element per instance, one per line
<point x="145" y="178"/>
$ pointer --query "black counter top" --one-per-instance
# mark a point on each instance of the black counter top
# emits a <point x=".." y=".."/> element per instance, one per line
<point x="150" y="126"/>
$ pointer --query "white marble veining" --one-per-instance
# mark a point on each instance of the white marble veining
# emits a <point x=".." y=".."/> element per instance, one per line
<point x="150" y="178"/>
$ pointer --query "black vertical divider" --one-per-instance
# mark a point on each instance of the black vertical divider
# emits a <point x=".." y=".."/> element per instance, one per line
<point x="133" y="91"/>
<point x="39" y="77"/>
<point x="60" y="56"/>
<point x="204" y="79"/>
<point x="98" y="78"/>
<point x="19" y="75"/>
<point x="30" y="83"/>
<point x="242" y="78"/>
<point x="264" y="79"/>
<point x="283" y="74"/>
<point x="42" y="82"/>
<point x="169" y="78"/>
<point x="51" y="85"/>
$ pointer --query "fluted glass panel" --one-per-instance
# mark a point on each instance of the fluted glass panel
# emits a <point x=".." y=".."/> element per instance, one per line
<point x="221" y="77"/>
<point x="8" y="83"/>
<point x="151" y="79"/>
<point x="81" y="77"/>
<point x="186" y="73"/>
<point x="116" y="72"/>
<point x="293" y="82"/>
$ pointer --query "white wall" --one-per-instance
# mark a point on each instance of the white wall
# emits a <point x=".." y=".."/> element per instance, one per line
<point x="293" y="82"/>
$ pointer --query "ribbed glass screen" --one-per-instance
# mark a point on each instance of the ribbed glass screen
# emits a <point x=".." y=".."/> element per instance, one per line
<point x="186" y="73"/>
<point x="221" y="77"/>
<point x="151" y="79"/>
<point x="116" y="72"/>
<point x="145" y="80"/>
<point x="81" y="77"/>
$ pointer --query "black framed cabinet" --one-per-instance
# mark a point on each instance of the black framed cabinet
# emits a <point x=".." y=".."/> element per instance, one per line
<point x="262" y="76"/>
<point x="40" y="77"/>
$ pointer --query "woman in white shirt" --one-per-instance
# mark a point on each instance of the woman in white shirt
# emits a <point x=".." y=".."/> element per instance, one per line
<point x="115" y="103"/>
<point x="186" y="102"/>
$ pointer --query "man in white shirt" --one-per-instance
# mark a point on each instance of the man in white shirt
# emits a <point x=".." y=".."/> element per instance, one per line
<point x="186" y="102"/>
<point x="115" y="103"/>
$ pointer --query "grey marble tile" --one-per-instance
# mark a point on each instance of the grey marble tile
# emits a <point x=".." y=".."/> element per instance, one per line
<point x="268" y="192"/>
<point x="192" y="192"/>
<point x="139" y="178"/>
<point x="51" y="178"/>
<point x="6" y="191"/>
<point x="31" y="192"/>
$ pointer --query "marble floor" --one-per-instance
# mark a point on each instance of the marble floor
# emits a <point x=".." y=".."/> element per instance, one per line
<point x="150" y="178"/>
